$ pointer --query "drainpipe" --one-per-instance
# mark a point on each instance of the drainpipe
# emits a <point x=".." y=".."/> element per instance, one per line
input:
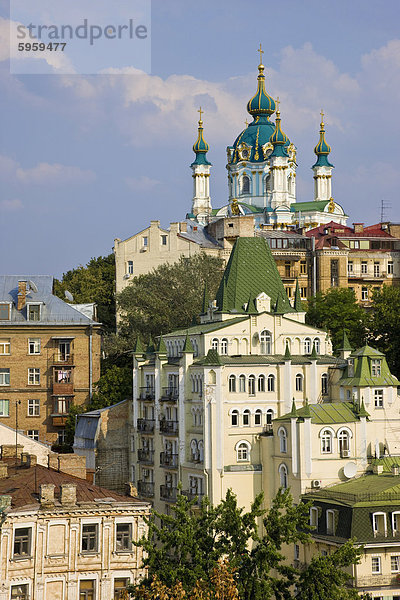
<point x="90" y="361"/>
<point x="314" y="255"/>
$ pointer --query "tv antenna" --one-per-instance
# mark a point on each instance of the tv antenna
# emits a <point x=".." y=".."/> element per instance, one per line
<point x="384" y="207"/>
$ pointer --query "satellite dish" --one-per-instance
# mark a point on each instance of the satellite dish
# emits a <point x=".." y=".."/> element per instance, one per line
<point x="69" y="296"/>
<point x="350" y="469"/>
<point x="32" y="286"/>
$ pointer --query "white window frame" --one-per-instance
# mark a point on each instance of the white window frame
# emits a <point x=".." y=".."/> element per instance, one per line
<point x="395" y="520"/>
<point x="330" y="516"/>
<point x="95" y="522"/>
<point x="4" y="402"/>
<point x="307" y="345"/>
<point x="299" y="382"/>
<point x="246" y="416"/>
<point x="379" y="398"/>
<point x="397" y="568"/>
<point x="5" y="377"/>
<point x="283" y="476"/>
<point x="243" y="449"/>
<point x="215" y="344"/>
<point x="261" y="383"/>
<point x="378" y="563"/>
<point x="33" y="407"/>
<point x="232" y="383"/>
<point x="251" y="385"/>
<point x="224" y="347"/>
<point x="364" y="293"/>
<point x="376" y="367"/>
<point x="282" y="435"/>
<point x="258" y="417"/>
<point x="234" y="414"/>
<point x="33" y="376"/>
<point x="324" y="435"/>
<point x="242" y="383"/>
<point x="28" y="308"/>
<point x="130" y="267"/>
<point x="33" y="434"/>
<point x="265" y="342"/>
<point x="314" y="514"/>
<point x="35" y="345"/>
<point x="5" y="346"/>
<point x="271" y="383"/>
<point x="375" y="521"/>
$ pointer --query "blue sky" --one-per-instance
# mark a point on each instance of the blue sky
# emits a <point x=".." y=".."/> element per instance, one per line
<point x="85" y="159"/>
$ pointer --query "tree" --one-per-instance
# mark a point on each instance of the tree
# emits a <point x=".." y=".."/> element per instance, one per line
<point x="114" y="386"/>
<point x="385" y="325"/>
<point x="335" y="311"/>
<point x="167" y="298"/>
<point x="93" y="283"/>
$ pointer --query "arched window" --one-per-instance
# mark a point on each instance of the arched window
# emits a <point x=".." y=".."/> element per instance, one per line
<point x="232" y="383"/>
<point x="258" y="417"/>
<point x="194" y="451"/>
<point x="282" y="440"/>
<point x="270" y="416"/>
<point x="193" y="383"/>
<point x="224" y="346"/>
<point x="317" y="345"/>
<point x="344" y="443"/>
<point x="283" y="476"/>
<point x="271" y="383"/>
<point x="261" y="383"/>
<point x="246" y="417"/>
<point x="245" y="185"/>
<point x="326" y="442"/>
<point x="324" y="384"/>
<point x="195" y="347"/>
<point x="267" y="183"/>
<point x="215" y="344"/>
<point x="201" y="450"/>
<point x="242" y="383"/>
<point x="265" y="342"/>
<point x="235" y="418"/>
<point x="299" y="382"/>
<point x="307" y="346"/>
<point x="252" y="385"/>
<point x="243" y="452"/>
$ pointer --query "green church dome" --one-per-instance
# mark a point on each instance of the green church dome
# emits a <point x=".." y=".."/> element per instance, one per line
<point x="322" y="149"/>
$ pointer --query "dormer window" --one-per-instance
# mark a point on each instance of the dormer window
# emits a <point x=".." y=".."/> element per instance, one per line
<point x="4" y="312"/>
<point x="350" y="367"/>
<point x="376" y="368"/>
<point x="33" y="312"/>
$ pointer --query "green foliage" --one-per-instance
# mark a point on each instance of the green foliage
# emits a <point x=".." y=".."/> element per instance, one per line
<point x="385" y="325"/>
<point x="70" y="424"/>
<point x="167" y="298"/>
<point x="114" y="386"/>
<point x="325" y="576"/>
<point x="93" y="283"/>
<point x="336" y="310"/>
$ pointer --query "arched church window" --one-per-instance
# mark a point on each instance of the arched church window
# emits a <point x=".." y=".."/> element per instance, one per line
<point x="245" y="184"/>
<point x="265" y="342"/>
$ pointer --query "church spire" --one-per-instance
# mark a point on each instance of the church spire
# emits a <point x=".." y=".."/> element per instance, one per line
<point x="200" y="147"/>
<point x="322" y="168"/>
<point x="322" y="149"/>
<point x="201" y="203"/>
<point x="278" y="139"/>
<point x="261" y="104"/>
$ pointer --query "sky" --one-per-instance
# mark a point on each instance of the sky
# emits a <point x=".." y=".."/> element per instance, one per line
<point x="85" y="159"/>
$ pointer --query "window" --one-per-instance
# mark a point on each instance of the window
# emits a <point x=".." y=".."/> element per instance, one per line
<point x="317" y="345"/>
<point x="379" y="523"/>
<point x="283" y="476"/>
<point x="364" y="293"/>
<point x="145" y="240"/>
<point x="324" y="384"/>
<point x="252" y="385"/>
<point x="123" y="539"/>
<point x="271" y="383"/>
<point x="376" y="565"/>
<point x="120" y="585"/>
<point x="269" y="416"/>
<point x="303" y="267"/>
<point x="4" y="376"/>
<point x="350" y="267"/>
<point x="375" y="368"/>
<point x="326" y="442"/>
<point x="34" y="376"/>
<point x="130" y="267"/>
<point x="377" y="269"/>
<point x="242" y="383"/>
<point x="378" y="398"/>
<point x="232" y="383"/>
<point x="164" y="240"/>
<point x="364" y="267"/>
<point x="334" y="273"/>
<point x="33" y="434"/>
<point x="243" y="452"/>
<point x="344" y="443"/>
<point x="62" y="437"/>
<point x="246" y="417"/>
<point x="390" y="268"/>
<point x="33" y="408"/>
<point x="314" y="517"/>
<point x="5" y="346"/>
<point x="303" y="292"/>
<point x="245" y="185"/>
<point x="282" y="440"/>
<point x="395" y="563"/>
<point x="307" y="346"/>
<point x="296" y="552"/>
<point x="34" y="346"/>
<point x="87" y="589"/>
<point x="4" y="408"/>
<point x="61" y="405"/>
<point x="20" y="592"/>
<point x="261" y="383"/>
<point x="215" y="344"/>
<point x="4" y="312"/>
<point x="89" y="538"/>
<point x="235" y="418"/>
<point x="22" y="542"/>
<point x="33" y="312"/>
<point x="265" y="342"/>
<point x="299" y="382"/>
<point x="224" y="346"/>
<point x="330" y="522"/>
<point x="258" y="417"/>
<point x="61" y="375"/>
<point x="395" y="522"/>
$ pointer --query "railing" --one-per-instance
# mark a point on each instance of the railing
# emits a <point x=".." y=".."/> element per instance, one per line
<point x="168" y="460"/>
<point x="146" y="488"/>
<point x="169" y="427"/>
<point x="168" y="493"/>
<point x="290" y="274"/>
<point x="146" y="393"/>
<point x="192" y="495"/>
<point x="146" y="456"/>
<point x="169" y="394"/>
<point x="62" y="359"/>
<point x="268" y="429"/>
<point x="146" y="425"/>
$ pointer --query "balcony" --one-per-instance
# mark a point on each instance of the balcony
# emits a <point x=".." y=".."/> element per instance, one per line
<point x="146" y="456"/>
<point x="146" y="425"/>
<point x="169" y="427"/>
<point x="59" y="420"/>
<point x="168" y="493"/>
<point x="146" y="394"/>
<point x="169" y="394"/>
<point x="62" y="358"/>
<point x="63" y="382"/>
<point x="193" y="495"/>
<point x="290" y="274"/>
<point x="169" y="460"/>
<point x="146" y="488"/>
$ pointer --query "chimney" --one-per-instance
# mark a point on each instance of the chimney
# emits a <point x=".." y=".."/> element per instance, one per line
<point x="8" y="450"/>
<point x="46" y="494"/>
<point x="358" y="227"/>
<point x="72" y="464"/>
<point x="183" y="227"/>
<point x="22" y="285"/>
<point x="68" y="494"/>
<point x="28" y="460"/>
<point x="131" y="490"/>
<point x="395" y="469"/>
<point x="3" y="470"/>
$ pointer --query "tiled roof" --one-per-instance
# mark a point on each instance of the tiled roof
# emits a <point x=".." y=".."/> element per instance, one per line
<point x="326" y="413"/>
<point x="363" y="372"/>
<point x="206" y="327"/>
<point x="373" y="231"/>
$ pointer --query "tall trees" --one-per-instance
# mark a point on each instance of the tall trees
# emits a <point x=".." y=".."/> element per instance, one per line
<point x="385" y="325"/>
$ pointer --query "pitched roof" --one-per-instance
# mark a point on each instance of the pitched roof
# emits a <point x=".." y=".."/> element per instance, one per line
<point x="206" y="327"/>
<point x="363" y="372"/>
<point x="326" y="413"/>
<point x="251" y="269"/>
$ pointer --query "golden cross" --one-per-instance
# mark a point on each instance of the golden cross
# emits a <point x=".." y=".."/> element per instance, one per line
<point x="277" y="102"/>
<point x="322" y="114"/>
<point x="201" y="112"/>
<point x="261" y="51"/>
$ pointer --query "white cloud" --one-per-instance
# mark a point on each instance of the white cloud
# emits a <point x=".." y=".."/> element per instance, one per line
<point x="11" y="205"/>
<point x="45" y="173"/>
<point x="142" y="183"/>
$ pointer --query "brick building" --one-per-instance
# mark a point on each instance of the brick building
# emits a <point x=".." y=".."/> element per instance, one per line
<point x="49" y="357"/>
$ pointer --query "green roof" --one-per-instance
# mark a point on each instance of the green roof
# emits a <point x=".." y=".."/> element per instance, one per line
<point x="212" y="358"/>
<point x="307" y="206"/>
<point x="362" y="376"/>
<point x="188" y="347"/>
<point x="258" y="359"/>
<point x="345" y="342"/>
<point x="207" y="327"/>
<point x="251" y="269"/>
<point x="326" y="413"/>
